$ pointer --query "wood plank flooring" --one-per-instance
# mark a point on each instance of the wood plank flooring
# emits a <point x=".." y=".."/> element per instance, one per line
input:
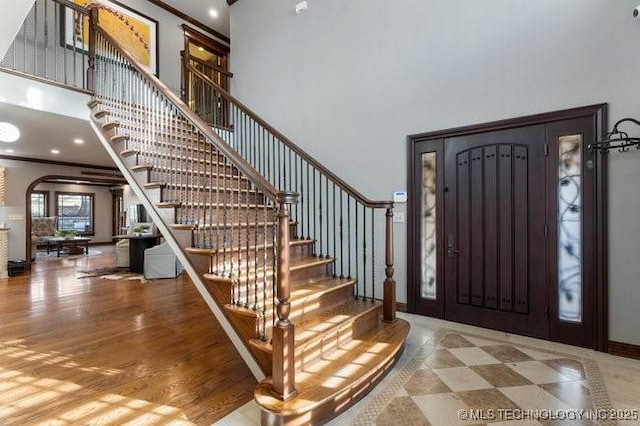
<point x="112" y="352"/>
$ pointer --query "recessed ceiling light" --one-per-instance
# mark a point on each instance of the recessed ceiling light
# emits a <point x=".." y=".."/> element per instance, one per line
<point x="78" y="141"/>
<point x="8" y="151"/>
<point x="201" y="49"/>
<point x="55" y="151"/>
<point x="9" y="132"/>
<point x="213" y="13"/>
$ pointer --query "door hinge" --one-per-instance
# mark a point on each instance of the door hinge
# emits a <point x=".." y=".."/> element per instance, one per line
<point x="546" y="149"/>
<point x="546" y="233"/>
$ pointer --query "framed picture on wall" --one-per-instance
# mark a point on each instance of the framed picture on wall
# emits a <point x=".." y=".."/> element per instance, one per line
<point x="136" y="32"/>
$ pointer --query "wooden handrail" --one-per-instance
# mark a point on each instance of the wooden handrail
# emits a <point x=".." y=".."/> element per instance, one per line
<point x="247" y="169"/>
<point x="308" y="158"/>
<point x="213" y="67"/>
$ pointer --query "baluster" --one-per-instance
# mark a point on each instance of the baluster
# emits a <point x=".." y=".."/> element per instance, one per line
<point x="264" y="271"/>
<point x="333" y="211"/>
<point x="218" y="203"/>
<point x="303" y="200"/>
<point x="389" y="298"/>
<point x="35" y="39"/>
<point x="224" y="218"/>
<point x="283" y="367"/>
<point x="46" y="39"/>
<point x="364" y="253"/>
<point x="256" y="254"/>
<point x="208" y="194"/>
<point x="349" y="244"/>
<point x="373" y="258"/>
<point x="356" y="244"/>
<point x="320" y="212"/>
<point x="341" y="237"/>
<point x="326" y="199"/>
<point x="75" y="49"/>
<point x="64" y="56"/>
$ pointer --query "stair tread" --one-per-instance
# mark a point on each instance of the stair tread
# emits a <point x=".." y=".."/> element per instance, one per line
<point x="301" y="294"/>
<point x="212" y="251"/>
<point x="357" y="363"/>
<point x="295" y="264"/>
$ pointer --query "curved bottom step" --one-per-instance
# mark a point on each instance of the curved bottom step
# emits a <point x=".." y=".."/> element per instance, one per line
<point x="329" y="387"/>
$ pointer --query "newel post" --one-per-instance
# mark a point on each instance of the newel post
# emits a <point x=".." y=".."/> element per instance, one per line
<point x="283" y="361"/>
<point x="91" y="68"/>
<point x="389" y="292"/>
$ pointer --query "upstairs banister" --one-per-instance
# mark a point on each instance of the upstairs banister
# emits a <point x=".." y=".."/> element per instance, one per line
<point x="208" y="65"/>
<point x="302" y="153"/>
<point x="41" y="51"/>
<point x="261" y="183"/>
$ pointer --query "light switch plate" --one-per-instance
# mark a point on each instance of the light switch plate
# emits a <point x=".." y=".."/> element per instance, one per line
<point x="398" y="218"/>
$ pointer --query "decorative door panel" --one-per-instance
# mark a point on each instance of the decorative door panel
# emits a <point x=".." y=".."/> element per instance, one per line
<point x="495" y="221"/>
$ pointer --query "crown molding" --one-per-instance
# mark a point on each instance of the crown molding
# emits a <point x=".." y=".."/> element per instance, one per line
<point x="56" y="163"/>
<point x="190" y="20"/>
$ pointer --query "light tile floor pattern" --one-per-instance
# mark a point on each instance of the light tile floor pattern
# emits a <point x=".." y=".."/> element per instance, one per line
<point x="448" y="367"/>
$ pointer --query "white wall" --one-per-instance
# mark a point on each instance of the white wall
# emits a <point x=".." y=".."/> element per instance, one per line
<point x="19" y="175"/>
<point x="349" y="80"/>
<point x="13" y="13"/>
<point x="102" y="207"/>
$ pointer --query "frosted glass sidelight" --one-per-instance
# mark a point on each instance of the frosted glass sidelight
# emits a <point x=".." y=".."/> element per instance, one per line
<point x="570" y="228"/>
<point x="428" y="226"/>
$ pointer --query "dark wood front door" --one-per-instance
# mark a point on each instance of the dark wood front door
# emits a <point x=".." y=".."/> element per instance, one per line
<point x="507" y="226"/>
<point x="494" y="228"/>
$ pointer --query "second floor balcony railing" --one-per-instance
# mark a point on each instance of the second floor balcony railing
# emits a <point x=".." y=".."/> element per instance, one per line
<point x="53" y="45"/>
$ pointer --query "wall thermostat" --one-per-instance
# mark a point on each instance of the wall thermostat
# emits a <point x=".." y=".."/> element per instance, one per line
<point x="400" y="197"/>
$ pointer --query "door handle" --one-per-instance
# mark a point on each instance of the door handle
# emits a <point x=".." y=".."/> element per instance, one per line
<point x="452" y="251"/>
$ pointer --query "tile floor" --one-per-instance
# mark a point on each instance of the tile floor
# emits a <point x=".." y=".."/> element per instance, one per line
<point x="448" y="367"/>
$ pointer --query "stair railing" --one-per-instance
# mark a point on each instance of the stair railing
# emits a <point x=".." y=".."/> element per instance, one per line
<point x="211" y="110"/>
<point x="53" y="46"/>
<point x="343" y="222"/>
<point x="220" y="196"/>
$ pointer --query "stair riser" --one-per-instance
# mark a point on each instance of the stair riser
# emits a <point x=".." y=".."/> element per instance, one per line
<point x="307" y="274"/>
<point x="326" y="347"/>
<point x="188" y="179"/>
<point x="167" y="160"/>
<point x="240" y="271"/>
<point x="295" y="251"/>
<point x="215" y="195"/>
<point x="225" y="237"/>
<point x="204" y="215"/>
<point x="161" y="134"/>
<point x="178" y="146"/>
<point x="142" y="120"/>
<point x="301" y="309"/>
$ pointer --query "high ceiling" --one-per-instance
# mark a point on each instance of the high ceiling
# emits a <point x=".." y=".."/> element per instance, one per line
<point x="199" y="9"/>
<point x="52" y="131"/>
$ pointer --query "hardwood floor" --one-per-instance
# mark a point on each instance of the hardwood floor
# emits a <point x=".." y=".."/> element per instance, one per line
<point x="112" y="352"/>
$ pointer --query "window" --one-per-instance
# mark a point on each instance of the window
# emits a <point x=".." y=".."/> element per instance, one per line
<point x="39" y="203"/>
<point x="75" y="212"/>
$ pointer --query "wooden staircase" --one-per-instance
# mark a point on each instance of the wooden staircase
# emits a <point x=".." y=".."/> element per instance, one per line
<point x="320" y="343"/>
